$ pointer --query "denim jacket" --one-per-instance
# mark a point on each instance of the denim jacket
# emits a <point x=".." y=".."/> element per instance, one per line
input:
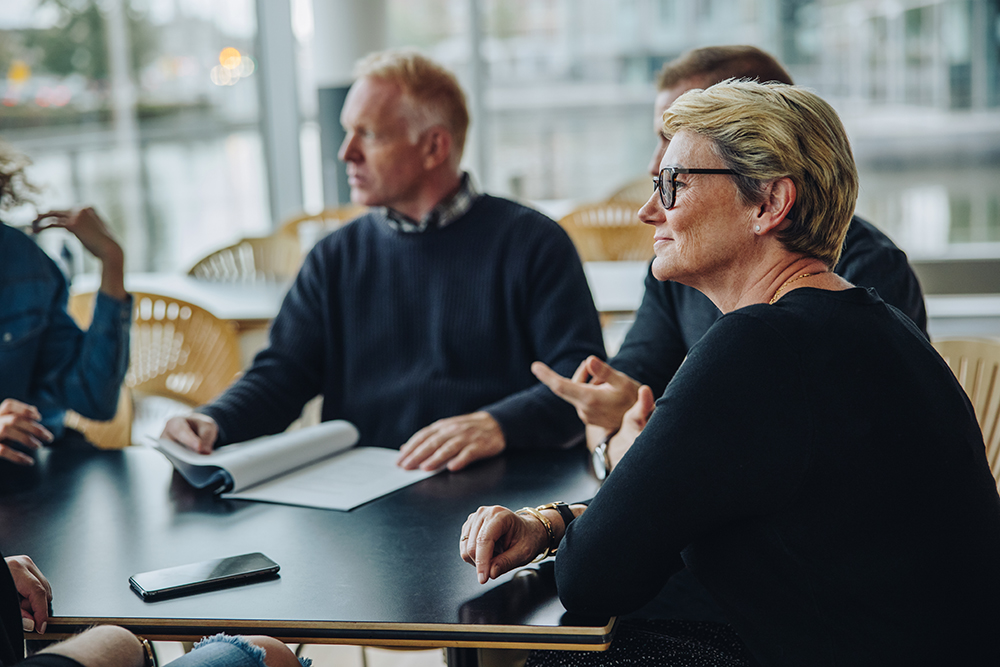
<point x="45" y="359"/>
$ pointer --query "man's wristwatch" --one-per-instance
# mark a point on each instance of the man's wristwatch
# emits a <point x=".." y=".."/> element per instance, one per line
<point x="600" y="459"/>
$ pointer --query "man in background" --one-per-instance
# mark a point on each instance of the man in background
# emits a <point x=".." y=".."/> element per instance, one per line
<point x="418" y="322"/>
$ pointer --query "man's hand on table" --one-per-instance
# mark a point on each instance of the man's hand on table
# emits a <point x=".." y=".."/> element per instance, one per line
<point x="600" y="394"/>
<point x="33" y="589"/>
<point x="195" y="431"/>
<point x="455" y="441"/>
<point x="20" y="422"/>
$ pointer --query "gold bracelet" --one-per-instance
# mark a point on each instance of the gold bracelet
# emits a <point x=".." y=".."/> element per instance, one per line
<point x="564" y="512"/>
<point x="148" y="656"/>
<point x="548" y="529"/>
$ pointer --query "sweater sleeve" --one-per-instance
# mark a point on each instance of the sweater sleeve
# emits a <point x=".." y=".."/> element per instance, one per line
<point x="561" y="320"/>
<point x="721" y="446"/>
<point x="84" y="370"/>
<point x="288" y="372"/>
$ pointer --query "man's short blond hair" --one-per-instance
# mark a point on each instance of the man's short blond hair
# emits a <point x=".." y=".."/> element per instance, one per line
<point x="768" y="131"/>
<point x="433" y="91"/>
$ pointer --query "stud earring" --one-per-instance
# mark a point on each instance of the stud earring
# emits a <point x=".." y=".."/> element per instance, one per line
<point x="757" y="229"/>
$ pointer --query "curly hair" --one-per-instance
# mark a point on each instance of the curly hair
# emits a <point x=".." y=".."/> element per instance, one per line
<point x="15" y="189"/>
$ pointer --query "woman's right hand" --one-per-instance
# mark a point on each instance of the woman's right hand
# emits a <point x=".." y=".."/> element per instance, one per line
<point x="20" y="422"/>
<point x="496" y="540"/>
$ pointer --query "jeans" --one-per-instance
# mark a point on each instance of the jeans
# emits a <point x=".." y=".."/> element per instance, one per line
<point x="226" y="651"/>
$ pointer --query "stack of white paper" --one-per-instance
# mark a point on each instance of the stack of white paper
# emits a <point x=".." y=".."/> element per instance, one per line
<point x="312" y="467"/>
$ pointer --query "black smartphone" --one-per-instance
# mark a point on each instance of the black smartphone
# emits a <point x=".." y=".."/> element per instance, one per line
<point x="197" y="577"/>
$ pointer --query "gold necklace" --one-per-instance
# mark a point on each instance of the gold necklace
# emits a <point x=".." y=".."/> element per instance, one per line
<point x="788" y="282"/>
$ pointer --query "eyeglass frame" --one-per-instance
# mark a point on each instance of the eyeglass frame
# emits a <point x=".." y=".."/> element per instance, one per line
<point x="673" y="171"/>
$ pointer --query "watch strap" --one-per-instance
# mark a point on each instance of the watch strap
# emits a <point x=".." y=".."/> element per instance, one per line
<point x="564" y="511"/>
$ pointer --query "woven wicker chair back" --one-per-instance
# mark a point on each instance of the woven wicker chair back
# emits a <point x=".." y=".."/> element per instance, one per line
<point x="609" y="232"/>
<point x="976" y="364"/>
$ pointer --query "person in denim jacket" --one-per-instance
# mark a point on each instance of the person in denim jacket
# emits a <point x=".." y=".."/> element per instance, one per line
<point x="47" y="364"/>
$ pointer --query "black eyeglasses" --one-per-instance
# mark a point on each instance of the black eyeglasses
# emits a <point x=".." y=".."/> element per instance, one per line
<point x="669" y="193"/>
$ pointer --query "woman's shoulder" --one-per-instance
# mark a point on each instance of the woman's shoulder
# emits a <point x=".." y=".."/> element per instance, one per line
<point x="21" y="258"/>
<point x="800" y="318"/>
<point x="14" y="242"/>
<point x="808" y="319"/>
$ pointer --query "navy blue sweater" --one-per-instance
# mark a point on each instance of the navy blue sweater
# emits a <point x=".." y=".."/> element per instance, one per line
<point x="398" y="330"/>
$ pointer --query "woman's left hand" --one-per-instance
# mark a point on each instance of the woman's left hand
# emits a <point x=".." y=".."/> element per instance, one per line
<point x="496" y="540"/>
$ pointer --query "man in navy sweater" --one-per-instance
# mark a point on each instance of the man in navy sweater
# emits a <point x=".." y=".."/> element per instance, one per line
<point x="418" y="322"/>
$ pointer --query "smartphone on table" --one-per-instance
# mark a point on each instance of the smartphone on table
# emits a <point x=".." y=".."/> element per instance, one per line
<point x="206" y="575"/>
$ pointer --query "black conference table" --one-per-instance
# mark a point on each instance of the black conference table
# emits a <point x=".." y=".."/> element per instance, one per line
<point x="387" y="573"/>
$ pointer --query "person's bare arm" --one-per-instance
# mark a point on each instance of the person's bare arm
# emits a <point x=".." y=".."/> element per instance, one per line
<point x="102" y="646"/>
<point x="95" y="236"/>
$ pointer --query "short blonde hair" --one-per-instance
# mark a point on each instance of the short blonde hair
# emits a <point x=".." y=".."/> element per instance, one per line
<point x="434" y="91"/>
<point x="766" y="131"/>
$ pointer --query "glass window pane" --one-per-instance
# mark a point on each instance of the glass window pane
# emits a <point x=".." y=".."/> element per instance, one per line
<point x="153" y="105"/>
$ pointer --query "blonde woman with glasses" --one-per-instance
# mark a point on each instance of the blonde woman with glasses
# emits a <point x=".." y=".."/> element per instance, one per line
<point x="814" y="462"/>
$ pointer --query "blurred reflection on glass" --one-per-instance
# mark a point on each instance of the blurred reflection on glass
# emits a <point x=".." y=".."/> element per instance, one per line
<point x="568" y="94"/>
<point x="122" y="94"/>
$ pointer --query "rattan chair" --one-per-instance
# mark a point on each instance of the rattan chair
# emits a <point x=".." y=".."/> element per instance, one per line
<point x="634" y="192"/>
<point x="976" y="364"/>
<point x="115" y="433"/>
<point x="609" y="232"/>
<point x="178" y="351"/>
<point x="308" y="228"/>
<point x="270" y="258"/>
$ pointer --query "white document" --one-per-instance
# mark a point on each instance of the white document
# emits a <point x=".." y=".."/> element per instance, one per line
<point x="312" y="467"/>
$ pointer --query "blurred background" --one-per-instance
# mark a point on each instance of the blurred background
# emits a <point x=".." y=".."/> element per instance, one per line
<point x="193" y="123"/>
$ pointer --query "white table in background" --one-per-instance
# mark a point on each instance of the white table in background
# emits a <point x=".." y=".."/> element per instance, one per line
<point x="249" y="305"/>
